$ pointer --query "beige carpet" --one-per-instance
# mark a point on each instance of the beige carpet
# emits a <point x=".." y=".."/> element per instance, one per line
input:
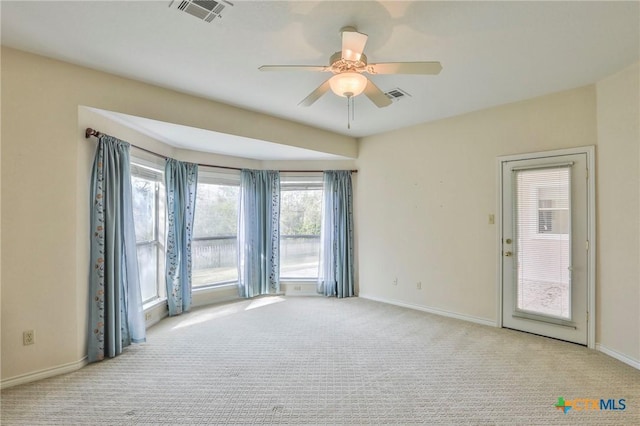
<point x="327" y="361"/>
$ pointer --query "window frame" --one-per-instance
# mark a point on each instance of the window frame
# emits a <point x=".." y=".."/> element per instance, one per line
<point x="142" y="168"/>
<point x="221" y="177"/>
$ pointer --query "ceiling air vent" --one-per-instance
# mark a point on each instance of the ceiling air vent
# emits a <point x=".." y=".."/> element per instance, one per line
<point x="396" y="94"/>
<point x="207" y="10"/>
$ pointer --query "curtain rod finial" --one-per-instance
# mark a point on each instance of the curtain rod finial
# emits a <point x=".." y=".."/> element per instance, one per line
<point x="90" y="132"/>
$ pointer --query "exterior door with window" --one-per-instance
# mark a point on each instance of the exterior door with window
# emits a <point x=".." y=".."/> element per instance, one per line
<point x="545" y="249"/>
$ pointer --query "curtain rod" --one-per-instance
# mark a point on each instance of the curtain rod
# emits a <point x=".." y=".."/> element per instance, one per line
<point x="92" y="132"/>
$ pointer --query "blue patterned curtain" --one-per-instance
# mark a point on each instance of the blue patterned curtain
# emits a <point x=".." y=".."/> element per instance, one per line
<point x="259" y="233"/>
<point x="336" y="275"/>
<point x="115" y="308"/>
<point x="181" y="181"/>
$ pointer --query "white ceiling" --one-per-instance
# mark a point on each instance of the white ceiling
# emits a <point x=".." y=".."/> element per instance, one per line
<point x="492" y="52"/>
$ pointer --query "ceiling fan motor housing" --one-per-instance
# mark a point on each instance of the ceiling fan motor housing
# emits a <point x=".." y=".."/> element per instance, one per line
<point x="340" y="65"/>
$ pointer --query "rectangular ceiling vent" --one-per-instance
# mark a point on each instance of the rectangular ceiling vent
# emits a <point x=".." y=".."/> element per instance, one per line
<point x="397" y="94"/>
<point x="206" y="10"/>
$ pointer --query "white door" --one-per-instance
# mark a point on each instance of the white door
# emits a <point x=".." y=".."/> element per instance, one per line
<point x="545" y="249"/>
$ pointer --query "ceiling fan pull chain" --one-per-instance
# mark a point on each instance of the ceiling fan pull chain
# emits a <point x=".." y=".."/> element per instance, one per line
<point x="348" y="112"/>
<point x="353" y="109"/>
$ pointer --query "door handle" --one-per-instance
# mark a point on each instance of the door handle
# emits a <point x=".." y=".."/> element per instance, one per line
<point x="508" y="254"/>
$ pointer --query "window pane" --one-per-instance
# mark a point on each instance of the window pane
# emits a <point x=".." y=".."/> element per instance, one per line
<point x="148" y="216"/>
<point x="543" y="259"/>
<point x="214" y="247"/>
<point x="148" y="270"/>
<point x="144" y="204"/>
<point x="553" y="210"/>
<point x="300" y="219"/>
<point x="215" y="260"/>
<point x="553" y="221"/>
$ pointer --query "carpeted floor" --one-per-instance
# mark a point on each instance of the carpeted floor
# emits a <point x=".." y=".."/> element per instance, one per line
<point x="315" y="360"/>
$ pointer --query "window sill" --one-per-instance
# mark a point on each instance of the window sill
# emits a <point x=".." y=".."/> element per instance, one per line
<point x="154" y="303"/>
<point x="210" y="287"/>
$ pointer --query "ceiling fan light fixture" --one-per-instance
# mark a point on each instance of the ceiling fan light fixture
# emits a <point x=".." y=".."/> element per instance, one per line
<point x="348" y="84"/>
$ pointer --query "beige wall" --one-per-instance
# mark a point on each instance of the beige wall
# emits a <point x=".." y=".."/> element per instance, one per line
<point x="426" y="192"/>
<point x="46" y="165"/>
<point x="618" y="195"/>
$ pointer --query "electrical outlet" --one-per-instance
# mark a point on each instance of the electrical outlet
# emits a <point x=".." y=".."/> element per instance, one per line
<point x="297" y="288"/>
<point x="492" y="219"/>
<point x="395" y="281"/>
<point x="419" y="285"/>
<point x="28" y="337"/>
<point x="147" y="316"/>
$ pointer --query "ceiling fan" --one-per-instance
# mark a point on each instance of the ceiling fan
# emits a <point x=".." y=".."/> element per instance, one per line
<point x="348" y="67"/>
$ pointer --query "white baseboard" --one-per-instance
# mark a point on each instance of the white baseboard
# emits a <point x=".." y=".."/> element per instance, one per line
<point x="605" y="350"/>
<point x="43" y="374"/>
<point x="617" y="355"/>
<point x="430" y="310"/>
<point x="302" y="293"/>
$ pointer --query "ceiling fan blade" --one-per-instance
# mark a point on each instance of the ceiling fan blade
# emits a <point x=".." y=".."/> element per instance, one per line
<point x="316" y="94"/>
<point x="376" y="95"/>
<point x="428" y="68"/>
<point x="319" y="68"/>
<point x="353" y="44"/>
